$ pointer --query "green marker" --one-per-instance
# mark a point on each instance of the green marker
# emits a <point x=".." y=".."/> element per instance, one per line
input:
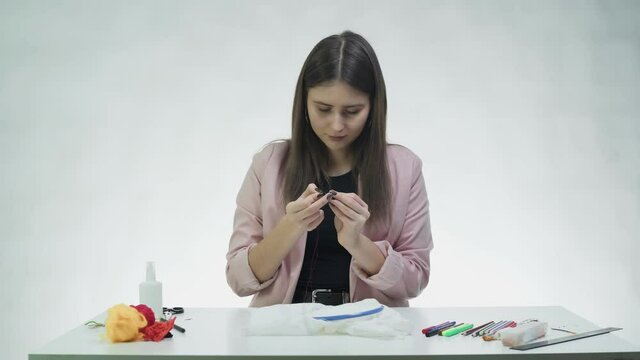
<point x="456" y="330"/>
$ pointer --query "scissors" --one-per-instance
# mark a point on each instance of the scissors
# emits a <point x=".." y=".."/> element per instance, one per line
<point x="173" y="310"/>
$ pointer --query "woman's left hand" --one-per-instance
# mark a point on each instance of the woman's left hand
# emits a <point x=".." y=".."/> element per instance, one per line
<point x="351" y="213"/>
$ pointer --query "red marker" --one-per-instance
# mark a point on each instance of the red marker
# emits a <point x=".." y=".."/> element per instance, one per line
<point x="426" y="330"/>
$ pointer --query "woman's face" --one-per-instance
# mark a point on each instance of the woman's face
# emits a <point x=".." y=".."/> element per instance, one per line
<point x="337" y="113"/>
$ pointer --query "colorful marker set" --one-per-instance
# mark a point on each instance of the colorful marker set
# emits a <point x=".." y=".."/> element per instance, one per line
<point x="451" y="328"/>
<point x="492" y="327"/>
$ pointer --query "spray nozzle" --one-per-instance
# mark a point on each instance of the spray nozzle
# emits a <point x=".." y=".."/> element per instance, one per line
<point x="151" y="271"/>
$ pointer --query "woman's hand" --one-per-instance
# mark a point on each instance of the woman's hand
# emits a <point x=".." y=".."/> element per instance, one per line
<point x="351" y="215"/>
<point x="305" y="213"/>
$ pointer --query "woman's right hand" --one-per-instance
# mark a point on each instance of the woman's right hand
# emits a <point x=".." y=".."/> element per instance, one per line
<point x="305" y="213"/>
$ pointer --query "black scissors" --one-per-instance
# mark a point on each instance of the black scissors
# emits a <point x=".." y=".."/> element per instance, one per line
<point x="168" y="312"/>
<point x="173" y="310"/>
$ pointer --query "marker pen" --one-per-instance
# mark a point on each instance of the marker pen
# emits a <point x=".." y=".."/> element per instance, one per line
<point x="488" y="328"/>
<point x="456" y="330"/>
<point x="426" y="330"/>
<point x="477" y="328"/>
<point x="437" y="329"/>
<point x="440" y="331"/>
<point x="505" y="325"/>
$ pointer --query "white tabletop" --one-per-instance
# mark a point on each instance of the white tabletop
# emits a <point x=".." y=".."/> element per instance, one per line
<point x="221" y="333"/>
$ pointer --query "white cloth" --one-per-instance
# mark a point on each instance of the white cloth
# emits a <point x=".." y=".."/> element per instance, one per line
<point x="300" y="319"/>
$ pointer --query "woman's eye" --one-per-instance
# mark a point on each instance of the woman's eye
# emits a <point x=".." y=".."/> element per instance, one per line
<point x="347" y="113"/>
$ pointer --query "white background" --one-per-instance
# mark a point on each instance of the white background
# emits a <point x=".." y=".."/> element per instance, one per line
<point x="126" y="128"/>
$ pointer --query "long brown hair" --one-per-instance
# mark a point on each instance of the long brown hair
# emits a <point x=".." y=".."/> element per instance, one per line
<point x="350" y="58"/>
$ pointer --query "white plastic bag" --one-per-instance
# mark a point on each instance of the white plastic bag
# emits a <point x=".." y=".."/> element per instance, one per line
<point x="367" y="318"/>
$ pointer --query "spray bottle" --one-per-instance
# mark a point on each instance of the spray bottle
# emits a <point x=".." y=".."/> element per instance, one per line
<point x="151" y="291"/>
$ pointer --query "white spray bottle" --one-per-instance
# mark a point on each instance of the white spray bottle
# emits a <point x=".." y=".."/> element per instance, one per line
<point x="151" y="291"/>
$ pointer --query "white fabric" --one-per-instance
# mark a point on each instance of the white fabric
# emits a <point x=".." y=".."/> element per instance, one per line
<point x="298" y="319"/>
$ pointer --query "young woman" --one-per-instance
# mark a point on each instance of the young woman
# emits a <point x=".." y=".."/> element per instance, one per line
<point x="335" y="214"/>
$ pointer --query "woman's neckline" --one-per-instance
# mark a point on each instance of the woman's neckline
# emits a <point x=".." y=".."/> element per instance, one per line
<point x="343" y="174"/>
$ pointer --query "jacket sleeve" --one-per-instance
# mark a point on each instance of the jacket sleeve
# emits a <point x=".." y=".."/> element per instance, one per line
<point x="405" y="272"/>
<point x="247" y="231"/>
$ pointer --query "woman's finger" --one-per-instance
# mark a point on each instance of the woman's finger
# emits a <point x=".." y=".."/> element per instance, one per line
<point x="311" y="189"/>
<point x="315" y="222"/>
<point x="310" y="204"/>
<point x="350" y="201"/>
<point x="358" y="199"/>
<point x="359" y="213"/>
<point x="313" y="216"/>
<point x="313" y="204"/>
<point x="339" y="210"/>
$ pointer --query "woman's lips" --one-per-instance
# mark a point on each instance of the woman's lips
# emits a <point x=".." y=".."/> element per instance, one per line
<point x="337" y="138"/>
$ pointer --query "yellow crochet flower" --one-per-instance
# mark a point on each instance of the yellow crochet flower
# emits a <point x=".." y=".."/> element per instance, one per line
<point x="124" y="323"/>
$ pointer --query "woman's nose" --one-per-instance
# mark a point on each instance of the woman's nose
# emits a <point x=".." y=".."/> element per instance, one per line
<point x="338" y="123"/>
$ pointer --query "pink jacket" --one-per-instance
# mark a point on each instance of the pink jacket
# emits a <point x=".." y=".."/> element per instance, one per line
<point x="406" y="244"/>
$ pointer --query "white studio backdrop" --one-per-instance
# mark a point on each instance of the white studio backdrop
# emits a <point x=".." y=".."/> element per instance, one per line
<point x="126" y="129"/>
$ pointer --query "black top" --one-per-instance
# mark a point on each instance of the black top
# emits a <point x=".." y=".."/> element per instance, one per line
<point x="326" y="263"/>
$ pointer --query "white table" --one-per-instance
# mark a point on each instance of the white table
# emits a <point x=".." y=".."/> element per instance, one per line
<point x="220" y="333"/>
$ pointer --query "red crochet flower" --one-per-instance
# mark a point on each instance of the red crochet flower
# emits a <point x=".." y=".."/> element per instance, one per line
<point x="146" y="312"/>
<point x="158" y="331"/>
